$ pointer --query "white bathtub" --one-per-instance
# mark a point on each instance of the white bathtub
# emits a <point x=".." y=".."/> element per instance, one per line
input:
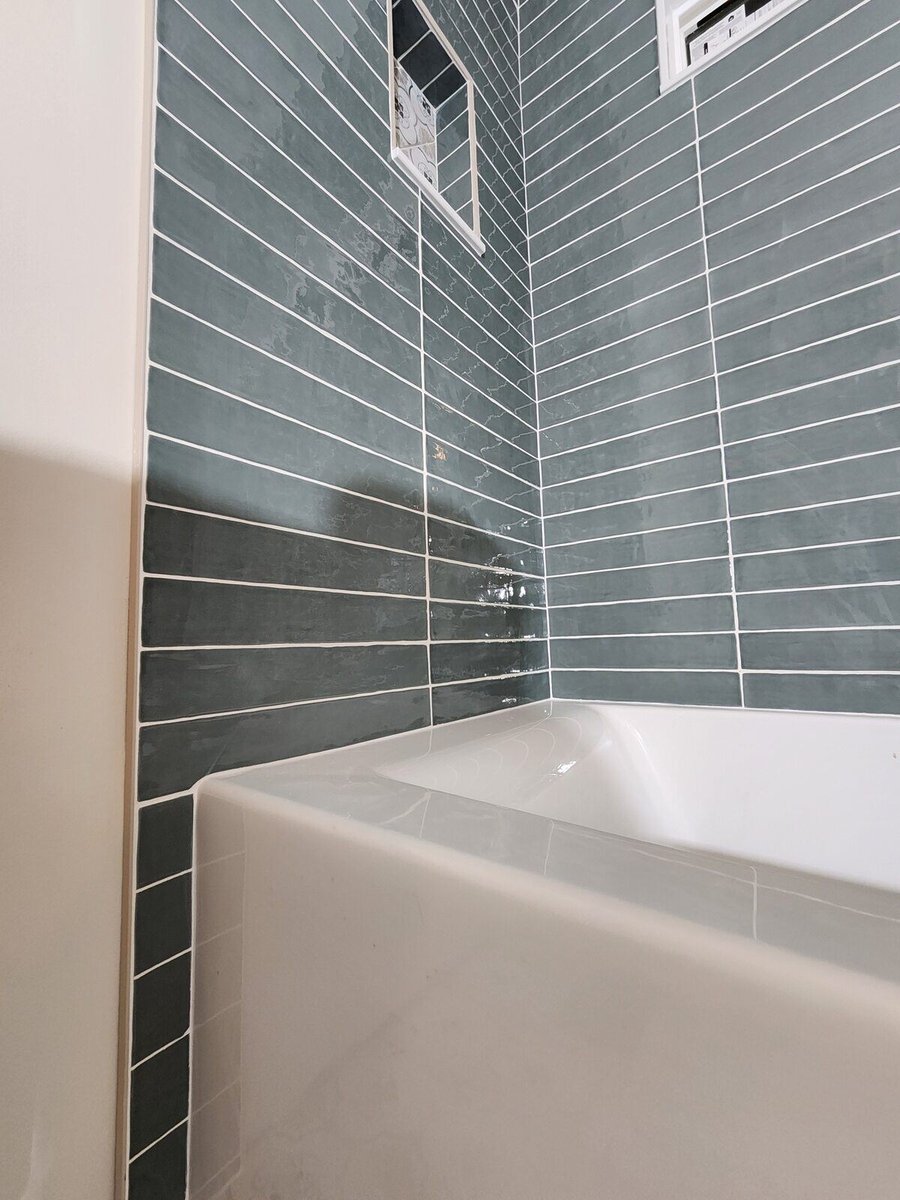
<point x="564" y="952"/>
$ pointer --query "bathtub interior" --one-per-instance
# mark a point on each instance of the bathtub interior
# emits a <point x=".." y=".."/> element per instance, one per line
<point x="808" y="792"/>
<point x="697" y="814"/>
<point x="379" y="1015"/>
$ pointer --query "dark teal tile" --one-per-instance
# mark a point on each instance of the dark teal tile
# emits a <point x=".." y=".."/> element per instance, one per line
<point x="464" y="660"/>
<point x="690" y="470"/>
<point x="632" y="516"/>
<point x="866" y="562"/>
<point x="162" y="918"/>
<point x="824" y="608"/>
<point x="159" y="1095"/>
<point x="184" y="543"/>
<point x="191" y="478"/>
<point x="164" y="841"/>
<point x="824" y="693"/>
<point x="852" y="650"/>
<point x="176" y="755"/>
<point x="703" y="577"/>
<point x="162" y="1007"/>
<point x="180" y="612"/>
<point x="483" y="622"/>
<point x="697" y="614"/>
<point x="188" y="284"/>
<point x="708" y="688"/>
<point x="161" y="1171"/>
<point x="186" y="683"/>
<point x="637" y="549"/>
<point x="190" y="413"/>
<point x="687" y="652"/>
<point x="456" y="701"/>
<point x="365" y="270"/>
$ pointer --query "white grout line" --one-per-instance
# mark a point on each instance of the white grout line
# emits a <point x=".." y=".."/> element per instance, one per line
<point x="479" y="263"/>
<point x="322" y="93"/>
<point x="724" y="466"/>
<point x="275" y="358"/>
<point x="306" y="322"/>
<point x="839" y="420"/>
<point x="629" y="370"/>
<point x="607" y="162"/>
<point x="473" y="387"/>
<point x="287" y="207"/>
<point x="591" y="262"/>
<point x="529" y="454"/>
<point x="795" y="82"/>
<point x="638" y="333"/>
<point x="568" y="132"/>
<point x="623" y="308"/>
<point x="490" y="466"/>
<point x="834" y="337"/>
<point x="633" y="500"/>
<point x="604" y="47"/>
<point x="291" y="529"/>
<point x="274" y="412"/>
<point x="526" y="512"/>
<point x="621" y="437"/>
<point x="218" y="581"/>
<point x="639" y="533"/>
<point x="168" y="1046"/>
<point x="207" y="647"/>
<point x="430" y="681"/>
<point x="784" y="200"/>
<point x="653" y="462"/>
<point x="618" y="186"/>
<point x="832" y="99"/>
<point x="183" y="1121"/>
<point x="506" y="537"/>
<point x="641" y="635"/>
<point x="249" y="462"/>
<point x="727" y="670"/>
<point x="285" y="107"/>
<point x="877" y="281"/>
<point x="809" y="266"/>
<point x="192" y="718"/>
<point x="615" y="220"/>
<point x="164" y="962"/>
<point x="324" y="284"/>
<point x="156" y="883"/>
<point x="370" y="230"/>
<point x="476" y="679"/>
<point x="534" y="367"/>
<point x="480" y="325"/>
<point x="788" y="49"/>
<point x="591" y="83"/>
<point x="597" y="412"/>
<point x="490" y="366"/>
<point x="582" y="34"/>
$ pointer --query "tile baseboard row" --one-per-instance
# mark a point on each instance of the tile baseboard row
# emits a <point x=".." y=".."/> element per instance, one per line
<point x="355" y="424"/>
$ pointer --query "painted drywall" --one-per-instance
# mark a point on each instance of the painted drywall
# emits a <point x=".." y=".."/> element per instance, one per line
<point x="715" y="288"/>
<point x="342" y="533"/>
<point x="72" y="208"/>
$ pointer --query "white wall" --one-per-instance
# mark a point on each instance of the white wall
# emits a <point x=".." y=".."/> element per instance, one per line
<point x="73" y="144"/>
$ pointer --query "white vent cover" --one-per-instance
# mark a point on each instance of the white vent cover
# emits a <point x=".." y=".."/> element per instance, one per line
<point x="694" y="32"/>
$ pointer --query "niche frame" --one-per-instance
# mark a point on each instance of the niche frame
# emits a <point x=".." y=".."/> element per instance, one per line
<point x="470" y="233"/>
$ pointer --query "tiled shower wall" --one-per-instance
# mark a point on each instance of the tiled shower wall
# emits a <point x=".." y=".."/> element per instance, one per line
<point x="343" y="523"/>
<point x="716" y="275"/>
<point x="342" y="532"/>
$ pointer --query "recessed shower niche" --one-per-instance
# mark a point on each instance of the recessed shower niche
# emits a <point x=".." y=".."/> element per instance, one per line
<point x="432" y="99"/>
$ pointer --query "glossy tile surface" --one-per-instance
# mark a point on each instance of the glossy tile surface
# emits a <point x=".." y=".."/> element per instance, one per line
<point x="715" y="297"/>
